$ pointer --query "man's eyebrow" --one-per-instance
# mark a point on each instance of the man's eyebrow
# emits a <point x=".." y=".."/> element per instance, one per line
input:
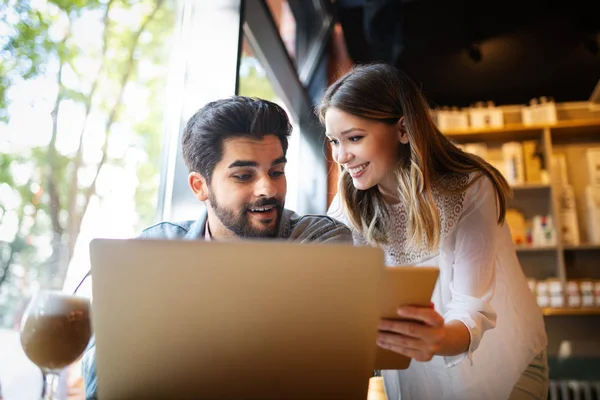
<point x="280" y="160"/>
<point x="243" y="163"/>
<point x="248" y="163"/>
<point x="347" y="131"/>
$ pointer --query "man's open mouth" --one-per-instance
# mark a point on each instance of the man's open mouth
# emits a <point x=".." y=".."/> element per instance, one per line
<point x="264" y="209"/>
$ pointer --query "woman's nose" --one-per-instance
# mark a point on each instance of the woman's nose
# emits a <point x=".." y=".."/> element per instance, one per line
<point x="343" y="156"/>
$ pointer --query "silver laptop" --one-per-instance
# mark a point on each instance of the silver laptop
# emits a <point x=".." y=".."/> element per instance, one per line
<point x="234" y="320"/>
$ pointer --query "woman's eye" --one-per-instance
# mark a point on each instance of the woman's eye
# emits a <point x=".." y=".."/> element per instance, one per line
<point x="333" y="142"/>
<point x="277" y="174"/>
<point x="355" y="138"/>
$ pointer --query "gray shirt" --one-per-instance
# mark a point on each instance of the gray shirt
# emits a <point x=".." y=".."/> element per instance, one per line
<point x="303" y="229"/>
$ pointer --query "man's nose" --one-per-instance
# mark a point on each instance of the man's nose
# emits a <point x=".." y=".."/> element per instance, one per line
<point x="265" y="187"/>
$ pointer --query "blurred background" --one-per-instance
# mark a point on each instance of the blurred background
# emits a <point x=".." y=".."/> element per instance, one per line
<point x="94" y="96"/>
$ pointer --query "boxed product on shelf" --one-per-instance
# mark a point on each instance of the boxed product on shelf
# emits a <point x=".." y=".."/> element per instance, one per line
<point x="568" y="215"/>
<point x="586" y="288"/>
<point x="542" y="294"/>
<point x="512" y="152"/>
<point x="539" y="112"/>
<point x="449" y="120"/>
<point x="577" y="110"/>
<point x="536" y="232"/>
<point x="512" y="114"/>
<point x="479" y="149"/>
<point x="578" y="293"/>
<point x="543" y="231"/>
<point x="550" y="293"/>
<point x="573" y="294"/>
<point x="559" y="169"/>
<point x="592" y="210"/>
<point x="593" y="165"/>
<point x="499" y="164"/>
<point x="517" y="225"/>
<point x="532" y="161"/>
<point x="556" y="292"/>
<point x="487" y="116"/>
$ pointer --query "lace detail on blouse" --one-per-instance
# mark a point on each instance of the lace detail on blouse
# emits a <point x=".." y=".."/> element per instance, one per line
<point x="450" y="206"/>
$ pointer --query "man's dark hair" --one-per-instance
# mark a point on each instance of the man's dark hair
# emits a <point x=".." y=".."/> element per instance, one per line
<point x="234" y="117"/>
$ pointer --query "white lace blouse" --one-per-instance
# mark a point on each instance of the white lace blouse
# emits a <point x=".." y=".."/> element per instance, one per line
<point x="481" y="283"/>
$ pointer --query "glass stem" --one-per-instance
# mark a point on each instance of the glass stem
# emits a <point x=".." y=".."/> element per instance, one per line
<point x="49" y="386"/>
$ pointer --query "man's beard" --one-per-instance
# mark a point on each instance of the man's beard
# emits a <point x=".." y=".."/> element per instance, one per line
<point x="241" y="225"/>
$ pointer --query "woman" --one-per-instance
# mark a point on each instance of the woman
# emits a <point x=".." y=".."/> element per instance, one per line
<point x="405" y="187"/>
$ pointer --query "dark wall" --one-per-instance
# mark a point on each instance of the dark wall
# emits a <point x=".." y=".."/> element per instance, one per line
<point x="527" y="49"/>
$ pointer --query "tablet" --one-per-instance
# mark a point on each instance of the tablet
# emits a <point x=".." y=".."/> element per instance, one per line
<point x="403" y="286"/>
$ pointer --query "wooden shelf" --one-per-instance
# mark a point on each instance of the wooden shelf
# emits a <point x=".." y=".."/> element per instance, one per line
<point x="548" y="311"/>
<point x="579" y="130"/>
<point x="532" y="249"/>
<point x="581" y="247"/>
<point x="531" y="186"/>
<point x="520" y="131"/>
<point x="506" y="128"/>
<point x="566" y="247"/>
<point x="508" y="132"/>
<point x="576" y="123"/>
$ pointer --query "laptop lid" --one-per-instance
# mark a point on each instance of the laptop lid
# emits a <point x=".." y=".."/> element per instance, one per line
<point x="231" y="320"/>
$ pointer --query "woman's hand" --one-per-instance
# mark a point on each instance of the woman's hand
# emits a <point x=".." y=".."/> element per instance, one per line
<point x="420" y="335"/>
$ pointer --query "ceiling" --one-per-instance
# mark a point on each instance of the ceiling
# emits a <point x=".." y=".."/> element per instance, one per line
<point x="461" y="51"/>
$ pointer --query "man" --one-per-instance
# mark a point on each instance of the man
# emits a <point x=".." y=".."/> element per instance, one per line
<point x="235" y="151"/>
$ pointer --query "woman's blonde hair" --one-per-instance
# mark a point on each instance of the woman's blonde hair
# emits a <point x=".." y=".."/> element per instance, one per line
<point x="380" y="92"/>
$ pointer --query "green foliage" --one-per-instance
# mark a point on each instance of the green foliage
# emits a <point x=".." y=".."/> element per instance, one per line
<point x="45" y="189"/>
<point x="255" y="84"/>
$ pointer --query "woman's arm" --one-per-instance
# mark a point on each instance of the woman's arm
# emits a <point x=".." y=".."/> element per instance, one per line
<point x="469" y="314"/>
<point x="423" y="334"/>
<point x="474" y="268"/>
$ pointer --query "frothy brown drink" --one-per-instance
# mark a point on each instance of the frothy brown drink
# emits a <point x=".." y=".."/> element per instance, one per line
<point x="56" y="331"/>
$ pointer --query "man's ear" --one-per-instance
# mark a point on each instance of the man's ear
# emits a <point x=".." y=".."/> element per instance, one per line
<point x="198" y="185"/>
<point x="402" y="132"/>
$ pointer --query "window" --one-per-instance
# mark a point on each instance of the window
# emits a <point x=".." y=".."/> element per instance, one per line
<point x="298" y="87"/>
<point x="286" y="24"/>
<point x="254" y="82"/>
<point x="82" y="87"/>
